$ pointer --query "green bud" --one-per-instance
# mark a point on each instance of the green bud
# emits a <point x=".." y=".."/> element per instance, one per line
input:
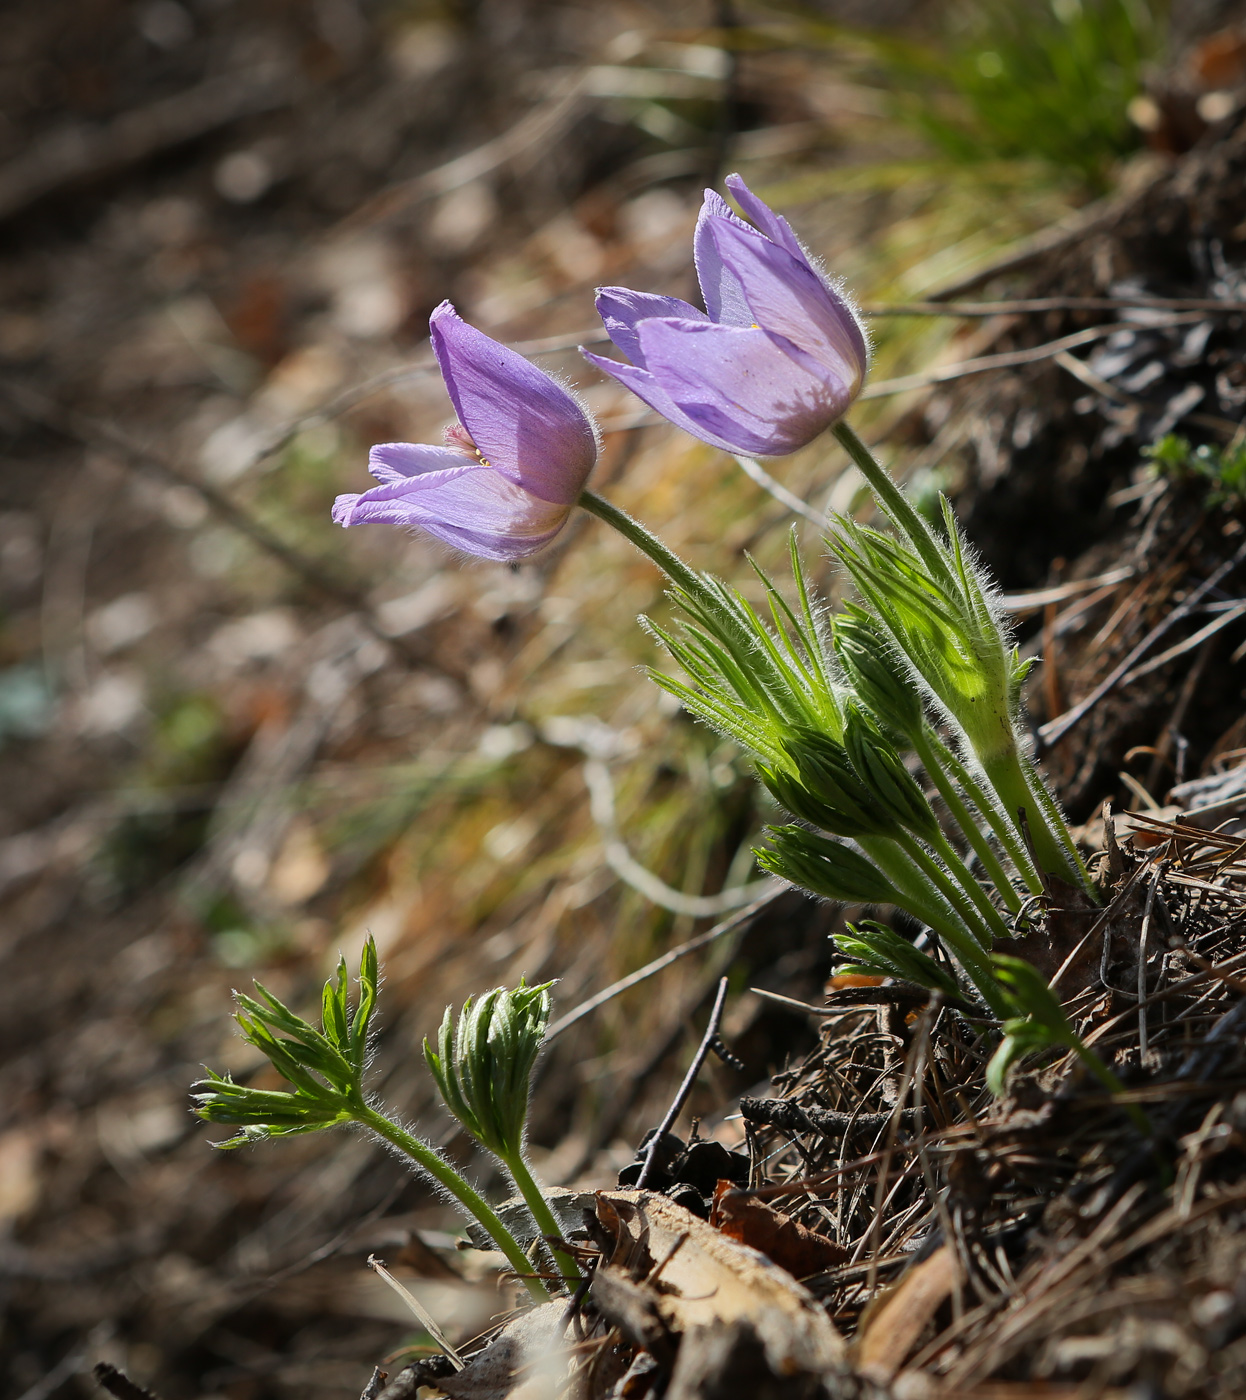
<point x="483" y="1066"/>
<point x="822" y="786"/>
<point x="882" y="770"/>
<point x="827" y="868"/>
<point x="876" y="675"/>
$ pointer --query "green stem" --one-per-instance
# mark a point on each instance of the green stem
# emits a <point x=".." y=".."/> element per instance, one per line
<point x="648" y="543"/>
<point x="443" y="1173"/>
<point x="972" y="887"/>
<point x="541" y="1213"/>
<point x="717" y="612"/>
<point x="894" y="501"/>
<point x="1053" y="849"/>
<point x="982" y="799"/>
<point x="955" y="896"/>
<point x="912" y="883"/>
<point x="961" y="815"/>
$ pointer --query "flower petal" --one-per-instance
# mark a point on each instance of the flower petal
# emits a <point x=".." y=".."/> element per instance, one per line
<point x="647" y="389"/>
<point x="742" y="385"/>
<point x="620" y="309"/>
<point x="786" y="296"/>
<point x="774" y="226"/>
<point x="475" y="508"/>
<point x="724" y="297"/>
<point x="525" y="425"/>
<point x="396" y="461"/>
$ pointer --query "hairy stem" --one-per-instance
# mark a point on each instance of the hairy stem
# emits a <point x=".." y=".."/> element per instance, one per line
<point x="1005" y="831"/>
<point x="445" y="1175"/>
<point x="541" y="1213"/>
<point x="964" y="819"/>
<point x="648" y="543"/>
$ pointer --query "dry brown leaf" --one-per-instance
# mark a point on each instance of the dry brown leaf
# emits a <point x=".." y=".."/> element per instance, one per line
<point x="895" y="1324"/>
<point x="788" y="1243"/>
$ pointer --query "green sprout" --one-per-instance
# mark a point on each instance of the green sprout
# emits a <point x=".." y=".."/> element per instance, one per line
<point x="483" y="1067"/>
<point x="326" y="1068"/>
<point x="1038" y="1022"/>
<point x="1222" y="468"/>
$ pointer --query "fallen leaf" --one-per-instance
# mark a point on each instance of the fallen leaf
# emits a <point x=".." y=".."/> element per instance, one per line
<point x="699" y="1280"/>
<point x="791" y="1245"/>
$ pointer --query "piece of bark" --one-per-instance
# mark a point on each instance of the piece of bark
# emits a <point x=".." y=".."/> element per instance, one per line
<point x="791" y="1245"/>
<point x="700" y="1278"/>
<point x="898" y="1320"/>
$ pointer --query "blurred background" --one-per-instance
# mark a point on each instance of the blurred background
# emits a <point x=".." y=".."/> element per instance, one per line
<point x="234" y="739"/>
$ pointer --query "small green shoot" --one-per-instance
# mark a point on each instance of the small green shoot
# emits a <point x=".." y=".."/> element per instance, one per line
<point x="483" y="1067"/>
<point x="1038" y="1022"/>
<point x="1222" y="468"/>
<point x="326" y="1068"/>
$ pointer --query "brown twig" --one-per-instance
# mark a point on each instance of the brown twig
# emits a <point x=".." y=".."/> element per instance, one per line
<point x="650" y="969"/>
<point x="681" y="1096"/>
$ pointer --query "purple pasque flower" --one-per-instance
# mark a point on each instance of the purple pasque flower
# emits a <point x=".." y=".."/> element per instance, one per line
<point x="512" y="467"/>
<point x="777" y="356"/>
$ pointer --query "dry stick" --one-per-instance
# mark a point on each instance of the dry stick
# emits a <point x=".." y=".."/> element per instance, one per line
<point x="117" y="1383"/>
<point x="1055" y="730"/>
<point x="642" y="974"/>
<point x="1038" y="305"/>
<point x="1142" y="942"/>
<point x="75" y="153"/>
<point x="1108" y="390"/>
<point x="1011" y="358"/>
<point x="707" y="1043"/>
<point x="427" y="1320"/>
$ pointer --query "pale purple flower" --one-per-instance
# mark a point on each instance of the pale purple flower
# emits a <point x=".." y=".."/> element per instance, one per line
<point x="512" y="467"/>
<point x="777" y="356"/>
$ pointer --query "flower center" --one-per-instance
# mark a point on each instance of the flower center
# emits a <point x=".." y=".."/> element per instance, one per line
<point x="456" y="435"/>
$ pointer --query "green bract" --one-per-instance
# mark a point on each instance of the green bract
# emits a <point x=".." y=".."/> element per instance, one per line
<point x="879" y="951"/>
<point x="1038" y="1022"/>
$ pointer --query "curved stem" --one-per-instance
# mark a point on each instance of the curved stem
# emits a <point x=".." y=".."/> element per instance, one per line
<point x="541" y="1213"/>
<point x="973" y="888"/>
<point x="443" y="1173"/>
<point x="956" y="897"/>
<point x="648" y="543"/>
<point x="912" y="883"/>
<point x="897" y="505"/>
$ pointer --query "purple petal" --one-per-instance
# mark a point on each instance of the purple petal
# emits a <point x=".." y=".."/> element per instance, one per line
<point x="620" y="309"/>
<point x="475" y="508"/>
<point x="774" y="226"/>
<point x="742" y="386"/>
<point x="724" y="297"/>
<point x="787" y="297"/>
<point x="396" y="461"/>
<point x="524" y="424"/>
<point x="648" y="390"/>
